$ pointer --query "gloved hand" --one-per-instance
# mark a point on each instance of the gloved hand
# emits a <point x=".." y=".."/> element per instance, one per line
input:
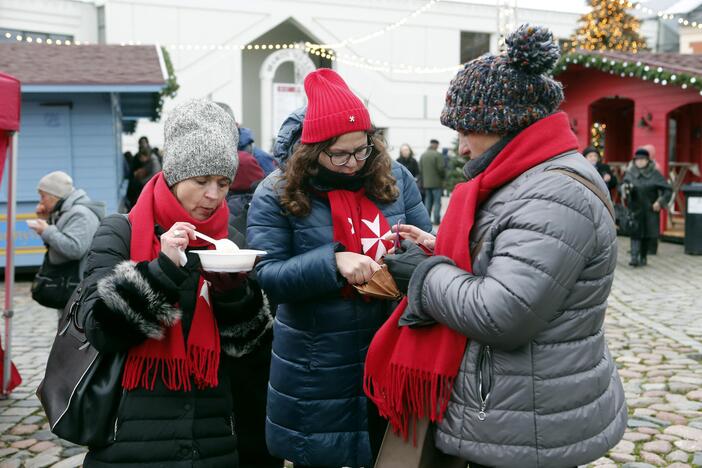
<point x="403" y="262"/>
<point x="224" y="283"/>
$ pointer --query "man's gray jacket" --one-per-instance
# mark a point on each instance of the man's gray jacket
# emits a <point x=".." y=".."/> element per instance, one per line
<point x="72" y="227"/>
<point x="537" y="386"/>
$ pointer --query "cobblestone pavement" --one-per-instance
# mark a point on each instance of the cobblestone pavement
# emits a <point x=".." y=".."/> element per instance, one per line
<point x="654" y="329"/>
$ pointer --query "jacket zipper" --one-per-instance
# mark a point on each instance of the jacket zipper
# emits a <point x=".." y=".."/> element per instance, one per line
<point x="119" y="408"/>
<point x="231" y="423"/>
<point x="484" y="387"/>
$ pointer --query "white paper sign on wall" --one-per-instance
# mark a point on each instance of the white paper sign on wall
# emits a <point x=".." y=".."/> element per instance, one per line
<point x="694" y="205"/>
<point x="287" y="97"/>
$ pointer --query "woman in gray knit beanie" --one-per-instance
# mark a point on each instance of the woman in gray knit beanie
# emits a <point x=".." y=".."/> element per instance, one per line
<point x="180" y="328"/>
<point x="522" y="267"/>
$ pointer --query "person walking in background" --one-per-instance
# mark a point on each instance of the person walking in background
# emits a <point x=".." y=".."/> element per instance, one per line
<point x="145" y="165"/>
<point x="433" y="170"/>
<point x="320" y="217"/>
<point x="242" y="189"/>
<point x="179" y="325"/>
<point x="501" y="339"/>
<point x="646" y="193"/>
<point x="593" y="155"/>
<point x="67" y="222"/>
<point x="246" y="143"/>
<point x="406" y="158"/>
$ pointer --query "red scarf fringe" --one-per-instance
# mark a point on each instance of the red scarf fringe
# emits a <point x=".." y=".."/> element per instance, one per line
<point x="203" y="365"/>
<point x="167" y="358"/>
<point x="142" y="371"/>
<point x="412" y="394"/>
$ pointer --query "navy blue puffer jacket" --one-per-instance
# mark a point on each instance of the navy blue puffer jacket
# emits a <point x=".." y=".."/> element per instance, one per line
<point x="316" y="407"/>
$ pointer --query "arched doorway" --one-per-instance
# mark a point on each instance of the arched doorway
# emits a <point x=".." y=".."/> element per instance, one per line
<point x="611" y="128"/>
<point x="684" y="137"/>
<point x="277" y="101"/>
<point x="287" y="32"/>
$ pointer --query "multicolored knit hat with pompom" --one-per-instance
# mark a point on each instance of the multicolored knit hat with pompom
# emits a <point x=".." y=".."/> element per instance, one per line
<point x="507" y="92"/>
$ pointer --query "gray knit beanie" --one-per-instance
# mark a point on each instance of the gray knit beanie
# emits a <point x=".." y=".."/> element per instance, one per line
<point x="507" y="92"/>
<point x="57" y="183"/>
<point x="200" y="140"/>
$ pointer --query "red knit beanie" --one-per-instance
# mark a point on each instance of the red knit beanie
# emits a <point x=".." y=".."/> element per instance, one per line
<point x="332" y="108"/>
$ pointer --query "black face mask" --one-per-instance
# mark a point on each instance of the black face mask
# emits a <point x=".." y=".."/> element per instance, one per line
<point x="329" y="180"/>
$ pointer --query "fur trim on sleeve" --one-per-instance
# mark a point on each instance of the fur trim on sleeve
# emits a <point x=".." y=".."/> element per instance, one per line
<point x="240" y="338"/>
<point x="128" y="294"/>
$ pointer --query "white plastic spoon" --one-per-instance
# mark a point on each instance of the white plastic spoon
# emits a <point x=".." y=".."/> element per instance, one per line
<point x="224" y="245"/>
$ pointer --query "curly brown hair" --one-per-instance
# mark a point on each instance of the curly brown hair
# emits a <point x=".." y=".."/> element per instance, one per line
<point x="379" y="183"/>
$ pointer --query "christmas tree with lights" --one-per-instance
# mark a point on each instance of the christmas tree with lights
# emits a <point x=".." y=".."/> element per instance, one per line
<point x="608" y="27"/>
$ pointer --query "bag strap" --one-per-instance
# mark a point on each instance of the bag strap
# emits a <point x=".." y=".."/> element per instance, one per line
<point x="593" y="188"/>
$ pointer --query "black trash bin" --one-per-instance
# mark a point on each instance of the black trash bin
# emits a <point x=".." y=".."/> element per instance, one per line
<point x="693" y="218"/>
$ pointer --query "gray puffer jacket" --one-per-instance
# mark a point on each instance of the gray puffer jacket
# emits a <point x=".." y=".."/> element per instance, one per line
<point x="537" y="386"/>
<point x="72" y="225"/>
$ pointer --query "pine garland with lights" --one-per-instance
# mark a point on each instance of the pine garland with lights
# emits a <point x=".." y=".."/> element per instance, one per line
<point x="630" y="68"/>
<point x="171" y="87"/>
<point x="608" y="27"/>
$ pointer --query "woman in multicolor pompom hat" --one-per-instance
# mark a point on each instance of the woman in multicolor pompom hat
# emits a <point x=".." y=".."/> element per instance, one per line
<point x="321" y="218"/>
<point x="501" y="340"/>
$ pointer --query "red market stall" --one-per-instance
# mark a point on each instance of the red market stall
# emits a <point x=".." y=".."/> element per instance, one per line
<point x="9" y="126"/>
<point x="621" y="101"/>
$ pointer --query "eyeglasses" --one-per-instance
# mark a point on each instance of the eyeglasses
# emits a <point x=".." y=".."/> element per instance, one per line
<point x="341" y="159"/>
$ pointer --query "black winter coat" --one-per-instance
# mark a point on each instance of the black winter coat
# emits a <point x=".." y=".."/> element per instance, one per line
<point x="411" y="164"/>
<point x="603" y="169"/>
<point x="642" y="188"/>
<point x="162" y="427"/>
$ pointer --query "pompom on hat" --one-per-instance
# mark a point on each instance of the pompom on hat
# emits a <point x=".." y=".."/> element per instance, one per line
<point x="332" y="108"/>
<point x="508" y="92"/>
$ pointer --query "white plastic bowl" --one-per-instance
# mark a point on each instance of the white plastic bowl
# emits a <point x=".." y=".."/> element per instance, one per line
<point x="228" y="262"/>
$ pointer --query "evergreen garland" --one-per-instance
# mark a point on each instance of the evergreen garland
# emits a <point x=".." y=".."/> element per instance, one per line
<point x="171" y="87"/>
<point x="630" y="68"/>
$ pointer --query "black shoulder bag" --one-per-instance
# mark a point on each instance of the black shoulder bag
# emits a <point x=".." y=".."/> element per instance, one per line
<point x="82" y="387"/>
<point x="53" y="285"/>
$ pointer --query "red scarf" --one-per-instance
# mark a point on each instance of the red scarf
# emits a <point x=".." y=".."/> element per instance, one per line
<point x="358" y="226"/>
<point x="358" y="223"/>
<point x="169" y="357"/>
<point x="410" y="372"/>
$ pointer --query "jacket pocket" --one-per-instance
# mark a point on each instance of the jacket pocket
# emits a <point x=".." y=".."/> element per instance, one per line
<point x="484" y="379"/>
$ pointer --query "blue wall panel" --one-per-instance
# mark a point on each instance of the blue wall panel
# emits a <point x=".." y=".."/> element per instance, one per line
<point x="74" y="133"/>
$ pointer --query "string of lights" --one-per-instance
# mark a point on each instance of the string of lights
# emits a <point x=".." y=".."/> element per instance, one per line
<point x="324" y="50"/>
<point x="39" y="40"/>
<point x="345" y="43"/>
<point x="373" y="35"/>
<point x="661" y="14"/>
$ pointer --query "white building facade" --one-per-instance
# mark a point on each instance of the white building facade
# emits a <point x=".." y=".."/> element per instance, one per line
<point x="204" y="39"/>
<point x="406" y="105"/>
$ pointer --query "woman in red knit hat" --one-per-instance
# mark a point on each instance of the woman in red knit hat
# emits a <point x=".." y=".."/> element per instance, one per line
<point x="321" y="218"/>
